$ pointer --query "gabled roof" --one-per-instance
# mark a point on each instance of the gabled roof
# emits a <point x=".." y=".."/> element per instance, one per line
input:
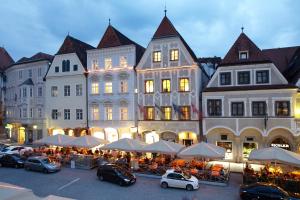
<point x="36" y="57"/>
<point x="5" y="59"/>
<point x="73" y="45"/>
<point x="166" y="29"/>
<point x="114" y="38"/>
<point x="244" y="43"/>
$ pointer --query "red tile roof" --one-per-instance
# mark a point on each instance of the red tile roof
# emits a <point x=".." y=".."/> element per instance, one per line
<point x="5" y="59"/>
<point x="166" y="29"/>
<point x="244" y="43"/>
<point x="73" y="45"/>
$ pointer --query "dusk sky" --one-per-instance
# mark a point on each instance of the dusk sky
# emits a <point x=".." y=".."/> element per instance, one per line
<point x="209" y="27"/>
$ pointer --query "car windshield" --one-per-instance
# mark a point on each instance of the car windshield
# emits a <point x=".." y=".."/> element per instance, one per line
<point x="46" y="161"/>
<point x="186" y="176"/>
<point x="123" y="172"/>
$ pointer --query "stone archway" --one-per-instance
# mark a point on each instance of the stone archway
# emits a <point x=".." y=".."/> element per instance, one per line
<point x="282" y="138"/>
<point x="169" y="136"/>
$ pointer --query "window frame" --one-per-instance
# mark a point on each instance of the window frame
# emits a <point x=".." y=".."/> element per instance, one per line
<point x="277" y="113"/>
<point x="108" y="113"/>
<point x="188" y="83"/>
<point x="79" y="114"/>
<point x="268" y="77"/>
<point x="259" y="114"/>
<point x="54" y="114"/>
<point x="215" y="113"/>
<point x="173" y="56"/>
<point x="238" y="77"/>
<point x="145" y="86"/>
<point x="78" y="91"/>
<point x="225" y="73"/>
<point x="162" y="85"/>
<point x="237" y="114"/>
<point x="155" y="56"/>
<point x="94" y="88"/>
<point x="108" y="87"/>
<point x="243" y="53"/>
<point x="123" y="85"/>
<point x="67" y="114"/>
<point x="54" y="93"/>
<point x="106" y="61"/>
<point x="182" y="116"/>
<point x="146" y="116"/>
<point x="122" y="113"/>
<point x="163" y="108"/>
<point x="67" y="90"/>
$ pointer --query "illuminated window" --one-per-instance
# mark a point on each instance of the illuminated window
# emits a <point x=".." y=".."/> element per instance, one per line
<point x="166" y="85"/>
<point x="184" y="85"/>
<point x="108" y="113"/>
<point x="54" y="91"/>
<point x="123" y="61"/>
<point x="124" y="113"/>
<point x="107" y="63"/>
<point x="108" y="87"/>
<point x="95" y="112"/>
<point x="95" y="65"/>
<point x="95" y="88"/>
<point x="282" y="108"/>
<point x="156" y="56"/>
<point x="167" y="113"/>
<point x="149" y="114"/>
<point x="174" y="54"/>
<point x="149" y="86"/>
<point x="123" y="86"/>
<point x="185" y="113"/>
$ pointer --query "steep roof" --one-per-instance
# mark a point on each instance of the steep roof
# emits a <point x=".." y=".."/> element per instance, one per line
<point x="114" y="38"/>
<point x="244" y="43"/>
<point x="73" y="45"/>
<point x="5" y="59"/>
<point x="36" y="57"/>
<point x="166" y="29"/>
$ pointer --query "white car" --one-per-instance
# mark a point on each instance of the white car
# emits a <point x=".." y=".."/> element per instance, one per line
<point x="15" y="150"/>
<point x="179" y="180"/>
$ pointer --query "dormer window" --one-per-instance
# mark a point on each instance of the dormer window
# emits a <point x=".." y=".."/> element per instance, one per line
<point x="243" y="55"/>
<point x="156" y="56"/>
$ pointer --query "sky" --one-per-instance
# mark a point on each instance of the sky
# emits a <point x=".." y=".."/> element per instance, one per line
<point x="209" y="27"/>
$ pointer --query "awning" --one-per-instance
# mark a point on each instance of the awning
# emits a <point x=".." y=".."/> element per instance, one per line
<point x="163" y="147"/>
<point x="204" y="150"/>
<point x="86" y="141"/>
<point x="125" y="144"/>
<point x="57" y="140"/>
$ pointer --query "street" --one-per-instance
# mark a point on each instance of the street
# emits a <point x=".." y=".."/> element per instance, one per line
<point x="83" y="184"/>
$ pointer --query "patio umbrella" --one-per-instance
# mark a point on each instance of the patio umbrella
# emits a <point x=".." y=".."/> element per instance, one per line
<point x="203" y="150"/>
<point x="277" y="155"/>
<point x="57" y="140"/>
<point x="125" y="144"/>
<point x="163" y="147"/>
<point x="86" y="141"/>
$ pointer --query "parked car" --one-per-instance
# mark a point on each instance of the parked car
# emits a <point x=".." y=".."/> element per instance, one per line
<point x="42" y="164"/>
<point x="2" y="146"/>
<point x="266" y="191"/>
<point x="15" y="149"/>
<point x="179" y="180"/>
<point x="115" y="174"/>
<point x="12" y="160"/>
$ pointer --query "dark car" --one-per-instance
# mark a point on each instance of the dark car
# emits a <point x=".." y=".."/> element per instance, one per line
<point x="12" y="160"/>
<point x="115" y="174"/>
<point x="265" y="191"/>
<point x="42" y="164"/>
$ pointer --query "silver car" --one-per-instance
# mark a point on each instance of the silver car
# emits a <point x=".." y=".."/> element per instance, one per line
<point x="42" y="164"/>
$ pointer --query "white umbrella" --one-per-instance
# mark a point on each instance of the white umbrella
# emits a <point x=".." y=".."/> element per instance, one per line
<point x="275" y="154"/>
<point x="204" y="150"/>
<point x="163" y="147"/>
<point x="57" y="140"/>
<point x="86" y="141"/>
<point x="125" y="144"/>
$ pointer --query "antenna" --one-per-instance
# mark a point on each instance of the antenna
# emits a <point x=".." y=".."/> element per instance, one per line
<point x="242" y="29"/>
<point x="165" y="10"/>
<point x="109" y="21"/>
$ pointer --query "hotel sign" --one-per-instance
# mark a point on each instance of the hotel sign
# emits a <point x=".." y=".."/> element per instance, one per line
<point x="285" y="146"/>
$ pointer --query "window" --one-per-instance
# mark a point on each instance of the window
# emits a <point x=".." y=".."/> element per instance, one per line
<point x="75" y="67"/>
<point x="282" y="108"/>
<point x="65" y="66"/>
<point x="237" y="109"/>
<point x="39" y="72"/>
<point x="108" y="113"/>
<point x="24" y="113"/>
<point x="243" y="55"/>
<point x="54" y="91"/>
<point x="149" y="114"/>
<point x="56" y="69"/>
<point x="79" y="115"/>
<point x="166" y="85"/>
<point x="108" y="87"/>
<point x="214" y="107"/>
<point x="185" y="113"/>
<point x="149" y="86"/>
<point x="20" y="112"/>
<point x="54" y="114"/>
<point x="156" y="56"/>
<point x="67" y="114"/>
<point x="67" y="90"/>
<point x="123" y="61"/>
<point x="243" y="77"/>
<point x="262" y="76"/>
<point x="79" y="90"/>
<point x="107" y="63"/>
<point x="259" y="108"/>
<point x="40" y="91"/>
<point x="20" y="74"/>
<point x="124" y="113"/>
<point x="95" y="112"/>
<point x="31" y="113"/>
<point x="95" y="88"/>
<point x="184" y="85"/>
<point x="30" y="73"/>
<point x="40" y="113"/>
<point x="95" y="65"/>
<point x="30" y="92"/>
<point x="24" y="92"/>
<point x="123" y="86"/>
<point x="174" y="54"/>
<point x="167" y="113"/>
<point x="225" y="78"/>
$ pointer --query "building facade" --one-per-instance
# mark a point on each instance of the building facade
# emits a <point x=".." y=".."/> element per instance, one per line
<point x="169" y="83"/>
<point x="111" y="86"/>
<point x="249" y="103"/>
<point x="66" y="97"/>
<point x="25" y="98"/>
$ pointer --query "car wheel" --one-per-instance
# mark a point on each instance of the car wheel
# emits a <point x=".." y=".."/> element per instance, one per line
<point x="0" y="165"/>
<point x="45" y="171"/>
<point x="164" y="185"/>
<point x="189" y="187"/>
<point x="101" y="178"/>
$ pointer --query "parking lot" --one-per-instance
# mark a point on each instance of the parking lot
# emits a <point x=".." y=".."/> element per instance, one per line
<point x="83" y="184"/>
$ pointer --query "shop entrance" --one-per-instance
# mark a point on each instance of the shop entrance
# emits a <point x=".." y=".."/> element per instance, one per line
<point x="21" y="138"/>
<point x="228" y="147"/>
<point x="187" y="142"/>
<point x="247" y="148"/>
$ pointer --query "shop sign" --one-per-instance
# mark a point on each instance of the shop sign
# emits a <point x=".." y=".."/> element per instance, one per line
<point x="281" y="145"/>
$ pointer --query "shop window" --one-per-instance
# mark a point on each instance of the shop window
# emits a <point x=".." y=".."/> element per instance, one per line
<point x="248" y="147"/>
<point x="174" y="55"/>
<point x="149" y="86"/>
<point x="167" y="113"/>
<point x="262" y="76"/>
<point x="243" y="77"/>
<point x="214" y="107"/>
<point x="184" y="85"/>
<point x="108" y="88"/>
<point x="156" y="56"/>
<point x="259" y="108"/>
<point x="166" y="85"/>
<point x="107" y="63"/>
<point x="149" y="114"/>
<point x="282" y="108"/>
<point x="228" y="149"/>
<point x="185" y="113"/>
<point x="95" y="88"/>
<point x="237" y="109"/>
<point x="225" y="78"/>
